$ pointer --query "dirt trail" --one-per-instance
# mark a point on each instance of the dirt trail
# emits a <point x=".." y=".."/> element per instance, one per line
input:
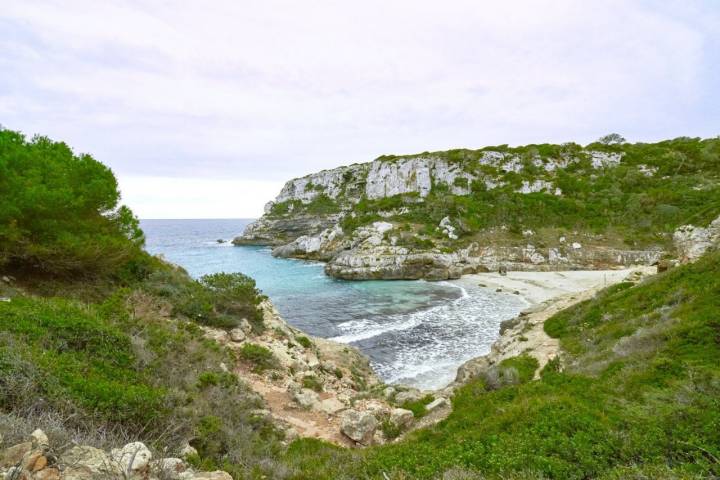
<point x="307" y="423"/>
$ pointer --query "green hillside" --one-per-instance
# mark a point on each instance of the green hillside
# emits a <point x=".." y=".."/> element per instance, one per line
<point x="101" y="342"/>
<point x="634" y="203"/>
<point x="638" y="396"/>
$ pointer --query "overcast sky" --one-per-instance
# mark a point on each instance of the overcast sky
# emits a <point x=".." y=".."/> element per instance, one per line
<point x="204" y="109"/>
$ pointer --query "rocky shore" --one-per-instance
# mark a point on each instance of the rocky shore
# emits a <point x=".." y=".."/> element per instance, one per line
<point x="319" y="388"/>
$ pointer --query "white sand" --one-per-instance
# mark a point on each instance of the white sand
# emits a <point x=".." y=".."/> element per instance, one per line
<point x="536" y="287"/>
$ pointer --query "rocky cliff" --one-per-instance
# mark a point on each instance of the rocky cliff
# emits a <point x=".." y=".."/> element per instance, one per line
<point x="439" y="215"/>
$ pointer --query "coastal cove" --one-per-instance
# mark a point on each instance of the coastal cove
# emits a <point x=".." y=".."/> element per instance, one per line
<point x="414" y="332"/>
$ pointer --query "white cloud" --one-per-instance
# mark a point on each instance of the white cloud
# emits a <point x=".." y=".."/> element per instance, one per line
<point x="265" y="91"/>
<point x="169" y="197"/>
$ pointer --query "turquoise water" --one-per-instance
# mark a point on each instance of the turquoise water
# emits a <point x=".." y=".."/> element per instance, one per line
<point x="414" y="332"/>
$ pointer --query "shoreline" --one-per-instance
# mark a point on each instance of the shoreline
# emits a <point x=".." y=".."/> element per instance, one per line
<point x="525" y="333"/>
<point x="540" y="286"/>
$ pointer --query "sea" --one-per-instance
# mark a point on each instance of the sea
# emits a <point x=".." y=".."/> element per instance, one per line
<point x="414" y="332"/>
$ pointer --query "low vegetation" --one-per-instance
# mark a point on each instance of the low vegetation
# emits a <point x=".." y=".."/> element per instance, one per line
<point x="101" y="343"/>
<point x="638" y="396"/>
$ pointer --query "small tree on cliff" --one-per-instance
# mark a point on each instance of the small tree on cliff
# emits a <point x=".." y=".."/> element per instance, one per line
<point x="612" y="139"/>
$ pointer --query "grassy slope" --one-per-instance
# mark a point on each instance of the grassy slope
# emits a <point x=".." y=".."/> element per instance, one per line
<point x="639" y="397"/>
<point x="134" y="366"/>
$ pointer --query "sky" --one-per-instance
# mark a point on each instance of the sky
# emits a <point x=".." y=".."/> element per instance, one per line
<point x="205" y="109"/>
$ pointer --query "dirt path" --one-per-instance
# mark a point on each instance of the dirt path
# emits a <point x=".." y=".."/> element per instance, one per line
<point x="307" y="423"/>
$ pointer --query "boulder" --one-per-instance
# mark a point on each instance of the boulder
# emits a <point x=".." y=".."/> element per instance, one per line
<point x="39" y="439"/>
<point x="237" y="335"/>
<point x="34" y="461"/>
<point x="245" y="326"/>
<point x="358" y="426"/>
<point x="85" y="463"/>
<point x="133" y="457"/>
<point x="217" y="475"/>
<point x="331" y="406"/>
<point x="187" y="451"/>
<point x="170" y="468"/>
<point x="50" y="473"/>
<point x="307" y="398"/>
<point x="14" y="455"/>
<point x="401" y="417"/>
<point x="412" y="395"/>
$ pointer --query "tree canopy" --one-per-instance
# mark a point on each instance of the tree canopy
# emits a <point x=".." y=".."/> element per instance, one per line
<point x="60" y="212"/>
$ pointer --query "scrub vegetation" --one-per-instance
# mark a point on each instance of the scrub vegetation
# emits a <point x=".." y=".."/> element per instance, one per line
<point x="101" y="343"/>
<point x="636" y="203"/>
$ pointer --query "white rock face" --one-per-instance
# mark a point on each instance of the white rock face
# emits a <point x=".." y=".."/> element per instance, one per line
<point x="536" y="186"/>
<point x="386" y="179"/>
<point x="692" y="242"/>
<point x="604" y="159"/>
<point x="328" y="182"/>
<point x="307" y="245"/>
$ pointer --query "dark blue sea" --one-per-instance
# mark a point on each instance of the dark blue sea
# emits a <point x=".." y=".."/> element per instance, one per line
<point x="414" y="332"/>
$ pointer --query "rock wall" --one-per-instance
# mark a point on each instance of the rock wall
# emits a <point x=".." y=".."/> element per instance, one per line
<point x="692" y="242"/>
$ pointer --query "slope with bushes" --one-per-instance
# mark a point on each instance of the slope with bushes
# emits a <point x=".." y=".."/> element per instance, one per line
<point x="635" y="395"/>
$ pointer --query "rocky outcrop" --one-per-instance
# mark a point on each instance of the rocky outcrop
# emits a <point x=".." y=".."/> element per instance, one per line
<point x="313" y="386"/>
<point x="382" y="261"/>
<point x="280" y="230"/>
<point x="387" y="250"/>
<point x="37" y="459"/>
<point x="359" y="426"/>
<point x="692" y="242"/>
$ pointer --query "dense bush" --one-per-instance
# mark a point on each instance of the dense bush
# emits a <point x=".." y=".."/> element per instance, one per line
<point x="60" y="215"/>
<point x="258" y="356"/>
<point x="219" y="300"/>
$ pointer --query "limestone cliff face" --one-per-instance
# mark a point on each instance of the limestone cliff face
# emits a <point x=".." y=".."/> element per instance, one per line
<point x="324" y="216"/>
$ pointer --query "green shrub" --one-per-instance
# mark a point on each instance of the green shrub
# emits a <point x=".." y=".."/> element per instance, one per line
<point x="260" y="357"/>
<point x="418" y="406"/>
<point x="525" y="365"/>
<point x="304" y="341"/>
<point x="222" y="379"/>
<point x="312" y="382"/>
<point x="218" y="300"/>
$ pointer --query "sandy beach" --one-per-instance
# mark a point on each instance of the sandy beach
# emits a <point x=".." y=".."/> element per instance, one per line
<point x="537" y="287"/>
